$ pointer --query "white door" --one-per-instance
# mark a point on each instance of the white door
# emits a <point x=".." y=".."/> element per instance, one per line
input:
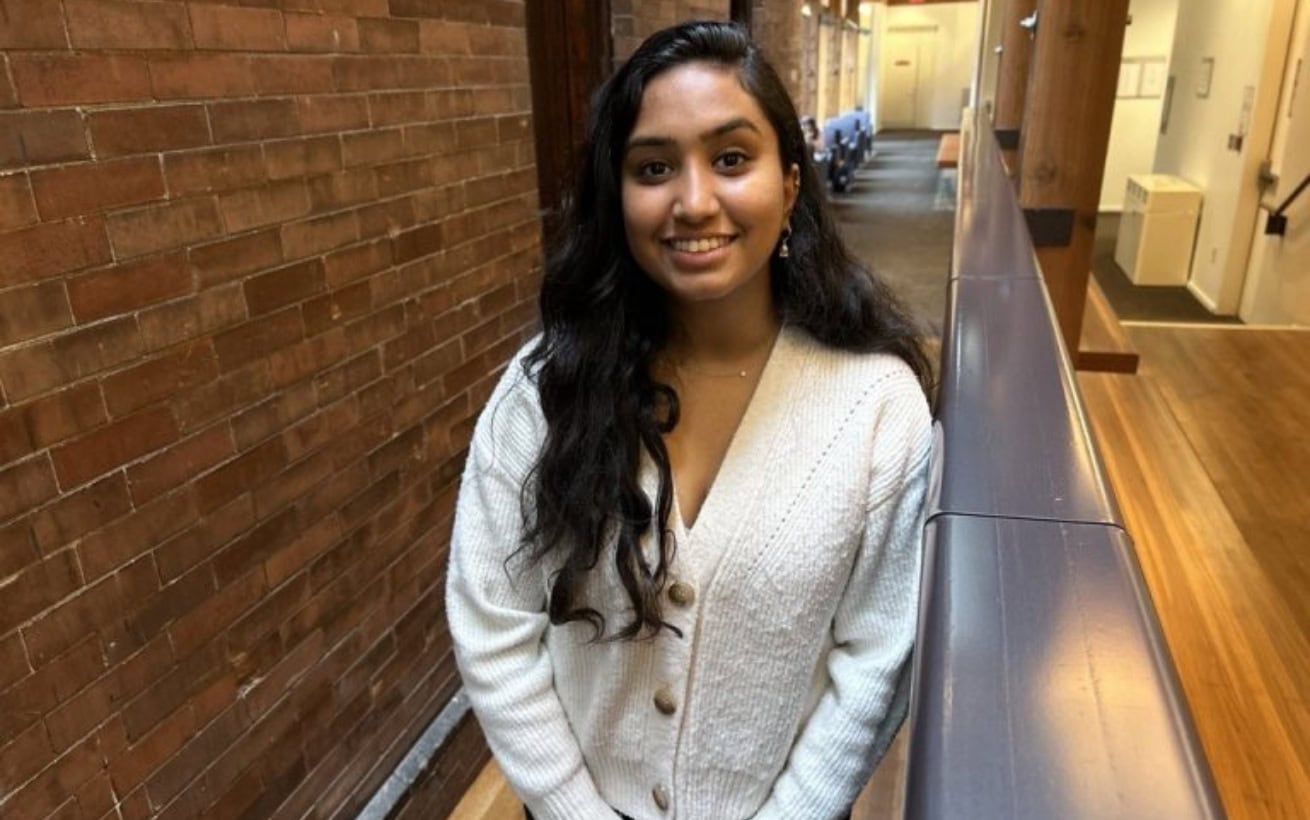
<point x="907" y="77"/>
<point x="1277" y="288"/>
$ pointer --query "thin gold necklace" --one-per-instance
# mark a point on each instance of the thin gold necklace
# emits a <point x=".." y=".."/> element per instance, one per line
<point x="733" y="374"/>
<point x="739" y="374"/>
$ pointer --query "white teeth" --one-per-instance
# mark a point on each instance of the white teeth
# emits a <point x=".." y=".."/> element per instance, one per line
<point x="700" y="245"/>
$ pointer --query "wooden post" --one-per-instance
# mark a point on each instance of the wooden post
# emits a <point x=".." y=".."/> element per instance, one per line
<point x="742" y="11"/>
<point x="1066" y="129"/>
<point x="1012" y="78"/>
<point x="569" y="55"/>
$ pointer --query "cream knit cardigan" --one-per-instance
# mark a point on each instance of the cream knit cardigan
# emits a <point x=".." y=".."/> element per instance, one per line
<point x="804" y="563"/>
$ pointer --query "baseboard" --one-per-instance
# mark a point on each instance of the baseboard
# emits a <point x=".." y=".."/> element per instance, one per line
<point x="1204" y="298"/>
<point x="417" y="760"/>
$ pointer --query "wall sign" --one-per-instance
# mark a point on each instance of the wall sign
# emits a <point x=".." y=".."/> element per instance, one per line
<point x="1142" y="77"/>
<point x="1207" y="74"/>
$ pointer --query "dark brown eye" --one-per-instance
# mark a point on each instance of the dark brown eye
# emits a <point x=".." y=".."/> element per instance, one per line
<point x="653" y="169"/>
<point x="732" y="160"/>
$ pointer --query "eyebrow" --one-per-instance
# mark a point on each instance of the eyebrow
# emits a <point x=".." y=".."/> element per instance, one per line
<point x="717" y="131"/>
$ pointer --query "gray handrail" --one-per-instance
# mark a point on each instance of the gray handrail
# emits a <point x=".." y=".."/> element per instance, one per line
<point x="1042" y="686"/>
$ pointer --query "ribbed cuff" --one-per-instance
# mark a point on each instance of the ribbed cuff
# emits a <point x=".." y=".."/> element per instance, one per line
<point x="575" y="799"/>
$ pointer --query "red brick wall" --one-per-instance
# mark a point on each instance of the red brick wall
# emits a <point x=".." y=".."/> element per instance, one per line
<point x="259" y="265"/>
<point x="776" y="26"/>
<point x="635" y="20"/>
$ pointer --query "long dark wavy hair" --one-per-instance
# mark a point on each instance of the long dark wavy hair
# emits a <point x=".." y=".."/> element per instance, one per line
<point x="604" y="321"/>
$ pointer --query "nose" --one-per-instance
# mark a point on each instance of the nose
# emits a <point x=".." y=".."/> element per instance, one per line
<point x="697" y="198"/>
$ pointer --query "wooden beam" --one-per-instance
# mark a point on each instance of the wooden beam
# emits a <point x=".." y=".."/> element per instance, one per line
<point x="1104" y="346"/>
<point x="569" y="55"/>
<point x="1068" y="106"/>
<point x="1012" y="77"/>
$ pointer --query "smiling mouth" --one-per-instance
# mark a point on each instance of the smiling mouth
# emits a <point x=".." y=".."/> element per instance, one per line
<point x="701" y="245"/>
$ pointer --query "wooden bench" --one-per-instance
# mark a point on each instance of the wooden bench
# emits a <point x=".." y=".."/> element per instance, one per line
<point x="948" y="150"/>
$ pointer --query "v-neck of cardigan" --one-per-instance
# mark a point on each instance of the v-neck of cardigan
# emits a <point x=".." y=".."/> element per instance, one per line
<point x="727" y="475"/>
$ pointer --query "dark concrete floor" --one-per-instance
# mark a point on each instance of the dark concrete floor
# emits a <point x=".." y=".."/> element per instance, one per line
<point x="1137" y="303"/>
<point x="899" y="219"/>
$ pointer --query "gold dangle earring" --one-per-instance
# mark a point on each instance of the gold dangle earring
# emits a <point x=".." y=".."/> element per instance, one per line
<point x="784" y="251"/>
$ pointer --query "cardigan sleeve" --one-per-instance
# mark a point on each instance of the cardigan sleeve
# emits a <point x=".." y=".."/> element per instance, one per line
<point x="873" y="630"/>
<point x="495" y="605"/>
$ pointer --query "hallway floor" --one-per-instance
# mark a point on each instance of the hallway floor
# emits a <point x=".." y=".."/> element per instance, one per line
<point x="899" y="218"/>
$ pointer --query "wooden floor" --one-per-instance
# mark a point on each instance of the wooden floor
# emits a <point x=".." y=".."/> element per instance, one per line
<point x="1208" y="449"/>
<point x="489" y="798"/>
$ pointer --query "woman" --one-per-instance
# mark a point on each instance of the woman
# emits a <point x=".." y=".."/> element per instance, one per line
<point x="684" y="569"/>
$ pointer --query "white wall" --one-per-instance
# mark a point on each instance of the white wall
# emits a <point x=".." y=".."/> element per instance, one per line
<point x="953" y="62"/>
<point x="1136" y="125"/>
<point x="1277" y="287"/>
<point x="1247" y="40"/>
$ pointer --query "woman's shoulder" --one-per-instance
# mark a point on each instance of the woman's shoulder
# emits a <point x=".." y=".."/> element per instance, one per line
<point x="876" y="390"/>
<point x="518" y="382"/>
<point x="855" y="372"/>
<point x="510" y="428"/>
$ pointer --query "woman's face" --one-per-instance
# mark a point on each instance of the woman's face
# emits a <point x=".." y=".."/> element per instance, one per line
<point x="705" y="195"/>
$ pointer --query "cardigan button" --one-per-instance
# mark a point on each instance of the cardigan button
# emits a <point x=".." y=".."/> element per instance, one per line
<point x="665" y="702"/>
<point x="661" y="797"/>
<point x="682" y="593"/>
